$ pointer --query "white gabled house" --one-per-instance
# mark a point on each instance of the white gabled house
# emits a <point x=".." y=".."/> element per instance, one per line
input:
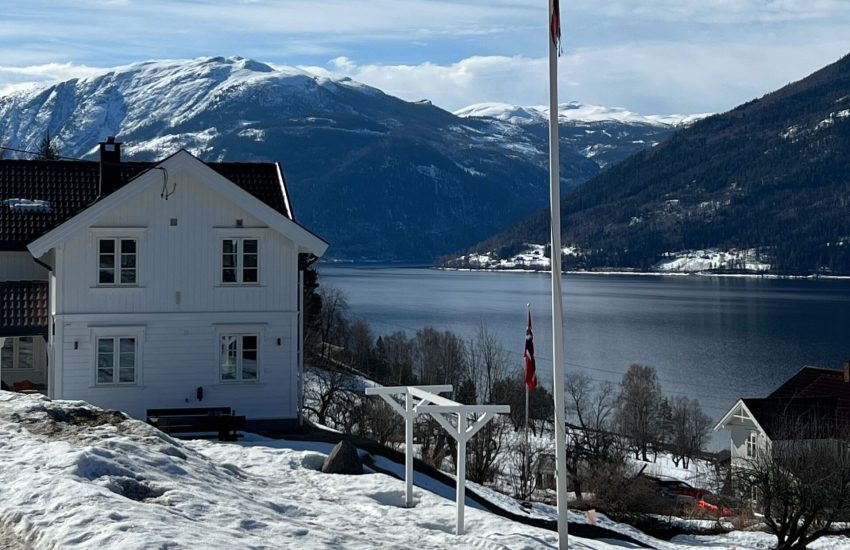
<point x="813" y="399"/>
<point x="179" y="286"/>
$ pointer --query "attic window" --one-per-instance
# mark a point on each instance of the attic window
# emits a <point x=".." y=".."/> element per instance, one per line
<point x="28" y="205"/>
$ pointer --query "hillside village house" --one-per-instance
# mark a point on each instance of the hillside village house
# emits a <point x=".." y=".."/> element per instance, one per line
<point x="814" y="397"/>
<point x="137" y="286"/>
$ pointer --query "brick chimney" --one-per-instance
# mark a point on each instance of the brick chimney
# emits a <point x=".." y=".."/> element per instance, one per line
<point x="847" y="372"/>
<point x="110" y="158"/>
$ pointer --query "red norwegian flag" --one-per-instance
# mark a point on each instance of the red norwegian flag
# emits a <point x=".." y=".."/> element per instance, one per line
<point x="555" y="25"/>
<point x="530" y="367"/>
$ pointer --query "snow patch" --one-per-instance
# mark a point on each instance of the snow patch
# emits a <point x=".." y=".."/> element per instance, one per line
<point x="572" y="112"/>
<point x="712" y="259"/>
<point x="28" y="205"/>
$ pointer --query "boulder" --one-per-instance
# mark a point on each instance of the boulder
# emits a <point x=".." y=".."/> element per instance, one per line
<point x="343" y="460"/>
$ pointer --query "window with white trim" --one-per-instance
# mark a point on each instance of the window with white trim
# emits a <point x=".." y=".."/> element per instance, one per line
<point x="116" y="261"/>
<point x="752" y="445"/>
<point x="17" y="353"/>
<point x="240" y="261"/>
<point x="238" y="357"/>
<point x="116" y="359"/>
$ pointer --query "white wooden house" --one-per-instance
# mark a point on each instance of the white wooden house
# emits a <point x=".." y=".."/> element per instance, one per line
<point x="178" y="286"/>
<point x="812" y="397"/>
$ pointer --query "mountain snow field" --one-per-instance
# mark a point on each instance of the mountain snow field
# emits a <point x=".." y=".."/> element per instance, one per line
<point x="572" y="112"/>
<point x="76" y="476"/>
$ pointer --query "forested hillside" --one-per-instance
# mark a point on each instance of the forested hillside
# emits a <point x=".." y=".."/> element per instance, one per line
<point x="772" y="174"/>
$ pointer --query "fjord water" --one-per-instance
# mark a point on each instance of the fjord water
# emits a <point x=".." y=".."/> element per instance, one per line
<point x="712" y="338"/>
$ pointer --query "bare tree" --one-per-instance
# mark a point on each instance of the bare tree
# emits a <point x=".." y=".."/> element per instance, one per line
<point x="522" y="480"/>
<point x="323" y="394"/>
<point x="486" y="365"/>
<point x="438" y="357"/>
<point x="689" y="429"/>
<point x="802" y="478"/>
<point x="436" y="445"/>
<point x="591" y="437"/>
<point x="639" y="413"/>
<point x="332" y="319"/>
<point x="379" y="422"/>
<point x="360" y="342"/>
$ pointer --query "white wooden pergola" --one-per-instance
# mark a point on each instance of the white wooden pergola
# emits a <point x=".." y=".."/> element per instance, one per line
<point x="409" y="401"/>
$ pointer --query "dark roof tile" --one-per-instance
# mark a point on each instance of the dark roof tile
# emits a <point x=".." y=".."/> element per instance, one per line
<point x="24" y="310"/>
<point x="71" y="186"/>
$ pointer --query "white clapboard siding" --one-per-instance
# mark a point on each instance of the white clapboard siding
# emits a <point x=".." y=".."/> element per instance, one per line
<point x="177" y="355"/>
<point x="19" y="266"/>
<point x="179" y="308"/>
<point x="184" y="259"/>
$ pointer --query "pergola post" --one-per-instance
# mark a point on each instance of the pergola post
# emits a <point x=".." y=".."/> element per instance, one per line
<point x="461" y="471"/>
<point x="409" y="415"/>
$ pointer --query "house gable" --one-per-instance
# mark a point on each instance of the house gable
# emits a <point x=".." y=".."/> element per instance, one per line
<point x="158" y="175"/>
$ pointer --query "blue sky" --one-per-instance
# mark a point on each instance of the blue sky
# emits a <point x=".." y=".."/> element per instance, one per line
<point x="650" y="56"/>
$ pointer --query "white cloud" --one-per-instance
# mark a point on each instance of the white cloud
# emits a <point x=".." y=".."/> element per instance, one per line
<point x="718" y="11"/>
<point x="17" y="78"/>
<point x="649" y="78"/>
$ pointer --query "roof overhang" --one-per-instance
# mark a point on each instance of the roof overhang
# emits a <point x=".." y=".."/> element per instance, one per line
<point x="741" y="412"/>
<point x="182" y="160"/>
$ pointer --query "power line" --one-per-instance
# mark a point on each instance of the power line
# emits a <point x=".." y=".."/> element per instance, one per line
<point x="38" y="154"/>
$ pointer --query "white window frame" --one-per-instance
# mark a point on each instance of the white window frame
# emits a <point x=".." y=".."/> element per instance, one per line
<point x="116" y="334"/>
<point x="752" y="444"/>
<point x="240" y="336"/>
<point x="16" y="353"/>
<point x="240" y="261"/>
<point x="117" y="256"/>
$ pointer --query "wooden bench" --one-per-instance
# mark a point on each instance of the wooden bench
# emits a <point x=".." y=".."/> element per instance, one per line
<point x="198" y="420"/>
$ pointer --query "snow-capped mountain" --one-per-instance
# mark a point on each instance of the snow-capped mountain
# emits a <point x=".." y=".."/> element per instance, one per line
<point x="379" y="177"/>
<point x="572" y="113"/>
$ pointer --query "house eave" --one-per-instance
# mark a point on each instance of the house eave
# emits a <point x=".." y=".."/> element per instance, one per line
<point x="742" y="406"/>
<point x="304" y="239"/>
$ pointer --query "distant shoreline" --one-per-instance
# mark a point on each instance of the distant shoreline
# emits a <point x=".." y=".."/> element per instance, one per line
<point x="409" y="265"/>
<point x="655" y="273"/>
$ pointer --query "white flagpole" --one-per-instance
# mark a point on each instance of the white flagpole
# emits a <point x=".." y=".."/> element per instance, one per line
<point x="557" y="307"/>
<point x="526" y="461"/>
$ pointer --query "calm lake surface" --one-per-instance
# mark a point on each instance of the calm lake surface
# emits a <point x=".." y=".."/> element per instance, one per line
<point x="713" y="338"/>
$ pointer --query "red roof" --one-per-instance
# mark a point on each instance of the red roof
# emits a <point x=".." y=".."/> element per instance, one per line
<point x="71" y="186"/>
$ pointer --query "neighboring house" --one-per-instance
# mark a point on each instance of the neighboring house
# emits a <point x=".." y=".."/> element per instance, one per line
<point x="813" y="399"/>
<point x="137" y="286"/>
<point x="544" y="471"/>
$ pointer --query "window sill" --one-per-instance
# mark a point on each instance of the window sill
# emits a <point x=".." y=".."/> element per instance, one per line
<point x="116" y="287"/>
<point x="242" y="383"/>
<point x="239" y="285"/>
<point x="114" y="386"/>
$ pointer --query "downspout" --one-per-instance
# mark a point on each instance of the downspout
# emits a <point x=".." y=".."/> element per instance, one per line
<point x="304" y="262"/>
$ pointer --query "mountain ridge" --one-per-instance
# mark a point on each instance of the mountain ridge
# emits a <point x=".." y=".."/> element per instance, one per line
<point x="379" y="177"/>
<point x="771" y="175"/>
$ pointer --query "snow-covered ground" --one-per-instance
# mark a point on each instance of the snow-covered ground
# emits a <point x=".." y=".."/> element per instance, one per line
<point x="531" y="258"/>
<point x="75" y="476"/>
<point x="682" y="262"/>
<point x="691" y="261"/>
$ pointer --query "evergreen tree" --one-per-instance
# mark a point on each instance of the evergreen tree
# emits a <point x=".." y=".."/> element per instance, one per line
<point x="48" y="149"/>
